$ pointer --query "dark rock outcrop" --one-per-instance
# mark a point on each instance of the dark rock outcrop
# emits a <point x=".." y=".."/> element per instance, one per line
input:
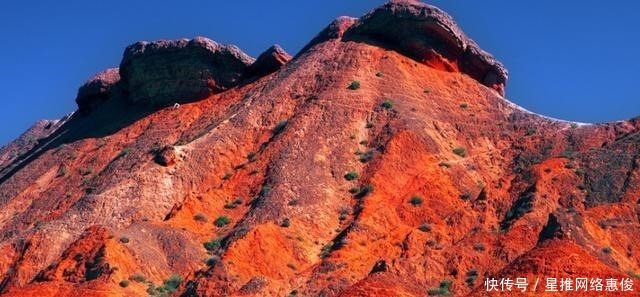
<point x="269" y="61"/>
<point x="429" y="35"/>
<point x="167" y="156"/>
<point x="169" y="71"/>
<point x="335" y="30"/>
<point x="97" y="89"/>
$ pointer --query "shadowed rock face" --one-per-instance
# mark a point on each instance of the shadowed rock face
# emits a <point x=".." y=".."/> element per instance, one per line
<point x="97" y="89"/>
<point x="429" y="35"/>
<point x="335" y="30"/>
<point x="269" y="61"/>
<point x="164" y="72"/>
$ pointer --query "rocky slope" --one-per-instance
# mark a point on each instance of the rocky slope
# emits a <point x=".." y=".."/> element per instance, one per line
<point x="382" y="160"/>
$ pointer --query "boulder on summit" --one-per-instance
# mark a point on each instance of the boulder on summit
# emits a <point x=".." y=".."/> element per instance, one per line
<point x="169" y="71"/>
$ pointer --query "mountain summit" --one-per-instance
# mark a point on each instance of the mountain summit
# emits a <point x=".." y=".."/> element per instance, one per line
<point x="381" y="160"/>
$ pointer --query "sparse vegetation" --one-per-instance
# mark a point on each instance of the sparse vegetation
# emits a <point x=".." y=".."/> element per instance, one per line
<point x="293" y="293"/>
<point x="426" y="91"/>
<point x="416" y="200"/>
<point x="227" y="175"/>
<point x="460" y="151"/>
<point x="212" y="261"/>
<point x="464" y="105"/>
<point x="251" y="156"/>
<point x="369" y="125"/>
<point x="265" y="190"/>
<point x="326" y="249"/>
<point x="200" y="217"/>
<point x="294" y="202"/>
<point x="138" y="278"/>
<point x="366" y="157"/>
<point x="124" y="283"/>
<point x="222" y="221"/>
<point x="607" y="250"/>
<point x="443" y="290"/>
<point x="387" y="104"/>
<point x="364" y="191"/>
<point x="354" y="85"/>
<point x="351" y="175"/>
<point x="124" y="239"/>
<point x="354" y="190"/>
<point x="425" y="227"/>
<point x="472" y="275"/>
<point x="465" y="196"/>
<point x="285" y="223"/>
<point x="212" y="245"/>
<point x="168" y="287"/>
<point x="124" y="152"/>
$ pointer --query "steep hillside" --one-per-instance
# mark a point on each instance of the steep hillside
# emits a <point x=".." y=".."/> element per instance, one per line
<point x="382" y="160"/>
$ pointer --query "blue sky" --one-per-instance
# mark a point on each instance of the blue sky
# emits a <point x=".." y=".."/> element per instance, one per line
<point x="574" y="60"/>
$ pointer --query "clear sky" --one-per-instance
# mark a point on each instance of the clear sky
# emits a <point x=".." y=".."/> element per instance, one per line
<point x="574" y="60"/>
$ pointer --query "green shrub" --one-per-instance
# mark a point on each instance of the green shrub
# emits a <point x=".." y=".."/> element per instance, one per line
<point x="124" y="239"/>
<point x="416" y="200"/>
<point x="531" y="131"/>
<point x="212" y="244"/>
<point x="387" y="104"/>
<point x="222" y="221"/>
<point x="354" y="85"/>
<point x="138" y="278"/>
<point x="460" y="151"/>
<point x="173" y="282"/>
<point x="443" y="290"/>
<point x="364" y="191"/>
<point x="124" y="283"/>
<point x="351" y="176"/>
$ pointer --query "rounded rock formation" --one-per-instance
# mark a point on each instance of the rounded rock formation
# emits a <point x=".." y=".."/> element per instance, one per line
<point x="97" y="89"/>
<point x="178" y="71"/>
<point x="269" y="61"/>
<point x="429" y="35"/>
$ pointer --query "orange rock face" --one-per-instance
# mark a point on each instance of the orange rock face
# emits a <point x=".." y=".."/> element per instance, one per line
<point x="353" y="170"/>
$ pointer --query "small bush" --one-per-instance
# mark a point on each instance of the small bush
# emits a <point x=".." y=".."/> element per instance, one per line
<point x="379" y="74"/>
<point x="366" y="157"/>
<point x="387" y="104"/>
<point x="124" y="283"/>
<point x="138" y="278"/>
<point x="416" y="200"/>
<point x="294" y="202"/>
<point x="230" y="205"/>
<point x="212" y="244"/>
<point x="265" y="190"/>
<point x="364" y="191"/>
<point x="464" y="105"/>
<point x="443" y="290"/>
<point x="351" y="176"/>
<point x="212" y="261"/>
<point x="354" y="190"/>
<point x="251" y="156"/>
<point x="222" y="221"/>
<point x="227" y="175"/>
<point x="607" y="250"/>
<point x="326" y="249"/>
<point x="425" y="228"/>
<point x="285" y="223"/>
<point x="173" y="282"/>
<point x="465" y="196"/>
<point x="354" y="85"/>
<point x="460" y="151"/>
<point x="200" y="217"/>
<point x="293" y="293"/>
<point x="124" y="239"/>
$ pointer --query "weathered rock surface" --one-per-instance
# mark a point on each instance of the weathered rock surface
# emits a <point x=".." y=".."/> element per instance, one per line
<point x="167" y="156"/>
<point x="429" y="35"/>
<point x="269" y="61"/>
<point x="335" y="30"/>
<point x="169" y="71"/>
<point x="97" y="89"/>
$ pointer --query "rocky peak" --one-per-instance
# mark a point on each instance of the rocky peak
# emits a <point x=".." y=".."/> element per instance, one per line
<point x="269" y="61"/>
<point x="335" y="30"/>
<point x="429" y="35"/>
<point x="169" y="71"/>
<point x="97" y="89"/>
